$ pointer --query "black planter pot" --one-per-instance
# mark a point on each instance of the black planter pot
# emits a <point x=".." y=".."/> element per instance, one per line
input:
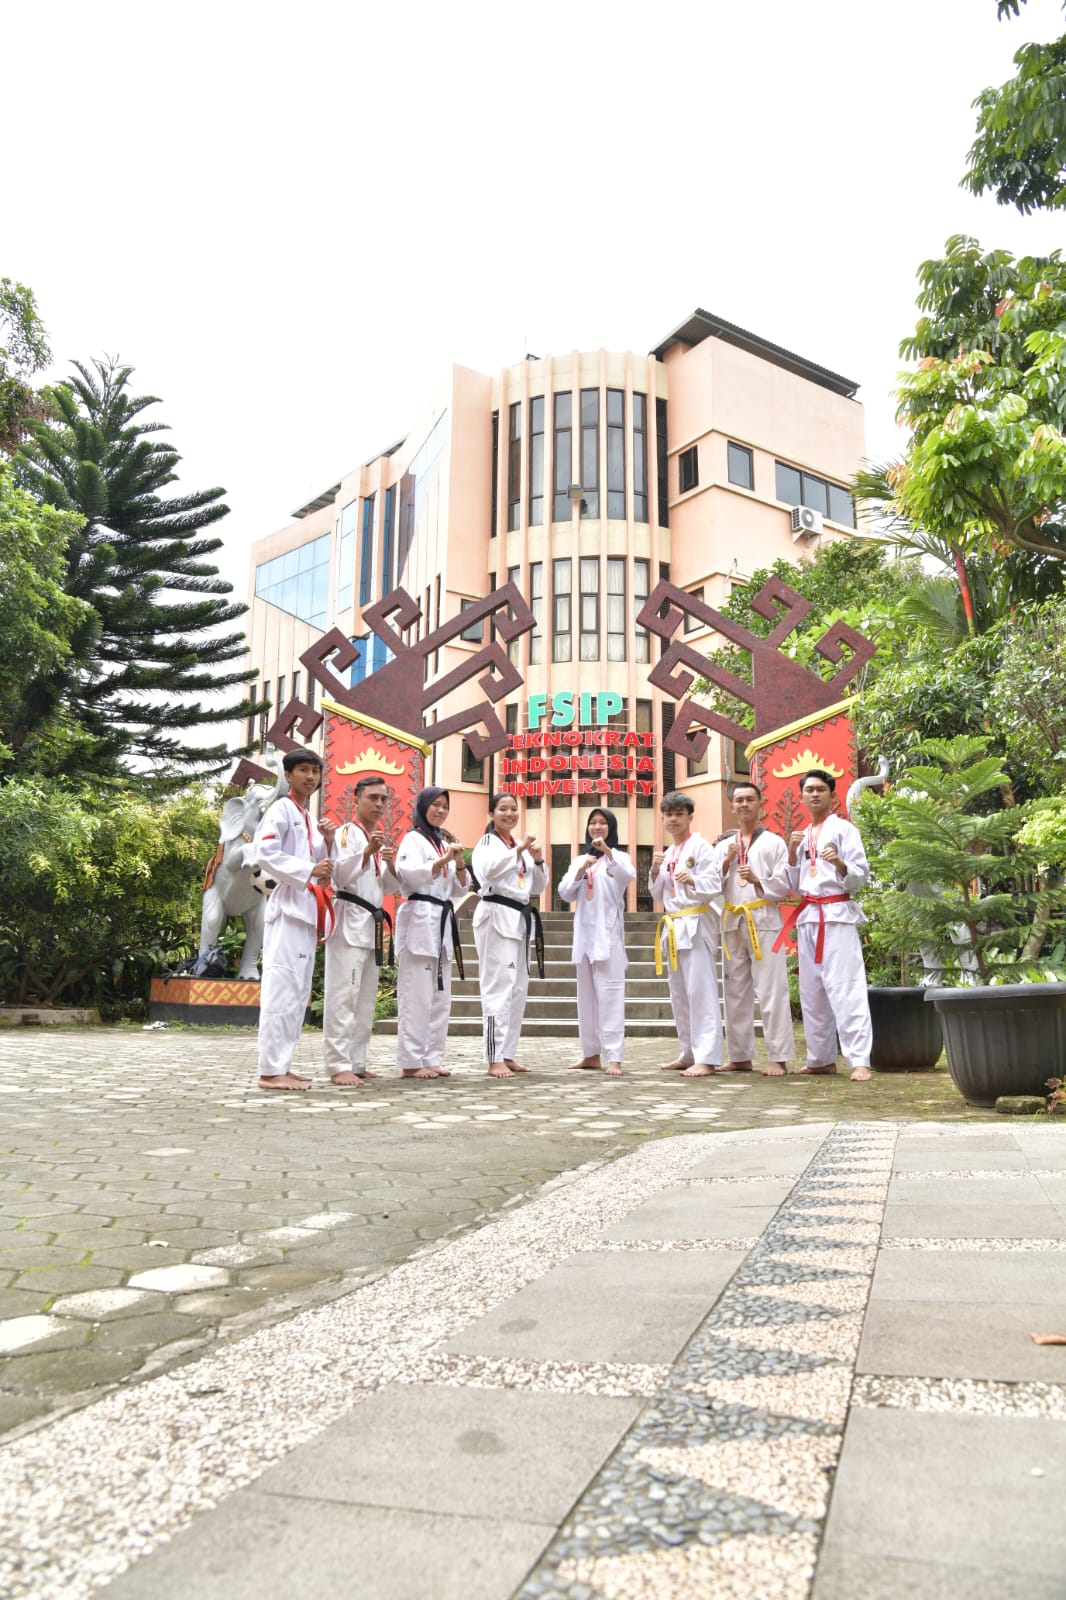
<point x="1003" y="1039"/>
<point x="907" y="1033"/>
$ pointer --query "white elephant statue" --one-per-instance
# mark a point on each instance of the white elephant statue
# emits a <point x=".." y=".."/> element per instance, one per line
<point x="228" y="887"/>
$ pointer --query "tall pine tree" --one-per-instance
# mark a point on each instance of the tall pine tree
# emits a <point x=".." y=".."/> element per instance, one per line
<point x="134" y="693"/>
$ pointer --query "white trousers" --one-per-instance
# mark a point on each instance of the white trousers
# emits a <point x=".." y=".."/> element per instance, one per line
<point x="503" y="979"/>
<point x="422" y="1012"/>
<point x="833" y="995"/>
<point x="601" y="1008"/>
<point x="288" y="967"/>
<point x="747" y="980"/>
<point x="348" y="1014"/>
<point x="694" y="999"/>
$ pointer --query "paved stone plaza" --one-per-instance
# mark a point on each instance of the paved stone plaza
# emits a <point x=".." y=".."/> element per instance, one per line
<point x="560" y="1336"/>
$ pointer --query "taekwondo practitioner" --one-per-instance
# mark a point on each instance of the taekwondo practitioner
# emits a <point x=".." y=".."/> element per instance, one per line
<point x="827" y="865"/>
<point x="686" y="880"/>
<point x="754" y="867"/>
<point x="293" y="849"/>
<point x="596" y="884"/>
<point x="509" y="873"/>
<point x="362" y="877"/>
<point x="429" y="867"/>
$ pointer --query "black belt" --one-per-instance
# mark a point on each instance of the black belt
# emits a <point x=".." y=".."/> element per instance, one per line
<point x="533" y="925"/>
<point x="381" y="920"/>
<point x="447" y="911"/>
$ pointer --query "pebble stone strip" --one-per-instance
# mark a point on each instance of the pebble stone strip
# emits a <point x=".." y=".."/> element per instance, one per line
<point x="83" y="1497"/>
<point x="720" y="1489"/>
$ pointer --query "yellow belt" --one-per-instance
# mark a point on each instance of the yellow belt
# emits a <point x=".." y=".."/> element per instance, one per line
<point x="667" y="921"/>
<point x="746" y="910"/>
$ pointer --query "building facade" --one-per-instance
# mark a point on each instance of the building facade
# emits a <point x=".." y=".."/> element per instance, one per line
<point x="583" y="478"/>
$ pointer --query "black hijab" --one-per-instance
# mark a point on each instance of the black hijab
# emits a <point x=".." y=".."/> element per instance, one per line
<point x="611" y="841"/>
<point x="422" y="823"/>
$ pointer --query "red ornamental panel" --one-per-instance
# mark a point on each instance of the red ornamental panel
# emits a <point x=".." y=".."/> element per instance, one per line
<point x="780" y="758"/>
<point x="358" y="747"/>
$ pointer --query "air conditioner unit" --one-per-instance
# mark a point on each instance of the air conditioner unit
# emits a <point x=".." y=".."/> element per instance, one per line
<point x="805" y="522"/>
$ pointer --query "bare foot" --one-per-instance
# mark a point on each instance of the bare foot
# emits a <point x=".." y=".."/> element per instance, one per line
<point x="423" y="1072"/>
<point x="776" y="1069"/>
<point x="587" y="1064"/>
<point x="499" y="1069"/>
<point x="699" y="1069"/>
<point x="514" y="1065"/>
<point x="304" y="1077"/>
<point x="346" y="1080"/>
<point x="736" y="1066"/>
<point x="861" y="1075"/>
<point x="815" y="1072"/>
<point x="614" y="1069"/>
<point x="675" y="1066"/>
<point x="365" y="1072"/>
<point x="288" y="1081"/>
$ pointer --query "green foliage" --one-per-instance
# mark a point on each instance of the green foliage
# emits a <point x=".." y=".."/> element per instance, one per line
<point x="162" y="656"/>
<point x="1020" y="150"/>
<point x="23" y="352"/>
<point x="1027" y="702"/>
<point x="1044" y="833"/>
<point x="954" y="876"/>
<point x="96" y="897"/>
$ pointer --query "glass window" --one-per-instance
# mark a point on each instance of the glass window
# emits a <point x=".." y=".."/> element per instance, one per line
<point x="640" y="458"/>
<point x="536" y="605"/>
<point x="691" y="622"/>
<point x="387" y="542"/>
<point x="589" y="580"/>
<point x="475" y="634"/>
<point x="264" y="695"/>
<point x="298" y="581"/>
<point x="495" y="472"/>
<point x="841" y="506"/>
<point x="740" y="467"/>
<point x="688" y="470"/>
<point x="536" y="461"/>
<point x="280" y="703"/>
<point x="662" y="464"/>
<point x="616" y="453"/>
<point x="562" y="640"/>
<point x="590" y="451"/>
<point x="787" y="484"/>
<point x="644" y="725"/>
<point x="473" y="770"/>
<point x="296" y="686"/>
<point x="346" y="557"/>
<point x="815" y="493"/>
<point x="616" y="608"/>
<point x="514" y="468"/>
<point x="513" y="575"/>
<point x="641" y="638"/>
<point x="563" y="457"/>
<point x="366" y="563"/>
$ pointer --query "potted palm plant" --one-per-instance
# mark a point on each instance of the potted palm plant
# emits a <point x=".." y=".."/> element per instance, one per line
<point x="961" y="885"/>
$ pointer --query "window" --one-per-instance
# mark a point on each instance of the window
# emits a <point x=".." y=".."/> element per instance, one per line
<point x="797" y="488"/>
<point x="473" y="770"/>
<point x="741" y="761"/>
<point x="590" y="451"/>
<point x="640" y="458"/>
<point x="387" y="542"/>
<point x="279" y="703"/>
<point x="698" y="769"/>
<point x="513" y="575"/>
<point x="589" y="581"/>
<point x="310" y="691"/>
<point x="644" y="725"/>
<point x="296" y="686"/>
<point x="739" y="466"/>
<point x="475" y="634"/>
<point x="536" y="461"/>
<point x="536" y="605"/>
<point x="263" y="715"/>
<point x="616" y="608"/>
<point x="495" y="472"/>
<point x="688" y="470"/>
<point x="691" y="622"/>
<point x="641" y="638"/>
<point x="346" y="557"/>
<point x="616" y="453"/>
<point x="562" y="644"/>
<point x="298" y="581"/>
<point x="661" y="462"/>
<point x="514" y="468"/>
<point x="563" y="414"/>
<point x="366" y="563"/>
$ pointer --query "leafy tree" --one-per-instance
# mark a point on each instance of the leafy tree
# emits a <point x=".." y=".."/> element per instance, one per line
<point x="1020" y="149"/>
<point x="23" y="352"/>
<point x="41" y="626"/>
<point x="139" y="561"/>
<point x="1028" y="695"/>
<point x="95" y="897"/>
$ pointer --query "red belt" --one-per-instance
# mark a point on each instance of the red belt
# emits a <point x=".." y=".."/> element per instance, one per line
<point x="324" y="907"/>
<point x="792" y="917"/>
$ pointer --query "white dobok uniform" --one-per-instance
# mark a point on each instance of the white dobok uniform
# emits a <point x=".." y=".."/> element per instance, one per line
<point x="599" y="951"/>
<point x="694" y="982"/>
<point x="750" y="969"/>
<point x="502" y="940"/>
<point x="833" y="991"/>
<point x="351" y="967"/>
<point x="287" y="844"/>
<point x="422" y="1009"/>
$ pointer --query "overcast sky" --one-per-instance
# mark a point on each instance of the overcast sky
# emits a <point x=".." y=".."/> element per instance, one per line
<point x="291" y="220"/>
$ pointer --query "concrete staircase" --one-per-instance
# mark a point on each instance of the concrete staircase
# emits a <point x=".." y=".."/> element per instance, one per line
<point x="551" y="1010"/>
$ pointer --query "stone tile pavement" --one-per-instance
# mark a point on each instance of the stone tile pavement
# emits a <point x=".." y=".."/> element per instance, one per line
<point x="613" y="1341"/>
